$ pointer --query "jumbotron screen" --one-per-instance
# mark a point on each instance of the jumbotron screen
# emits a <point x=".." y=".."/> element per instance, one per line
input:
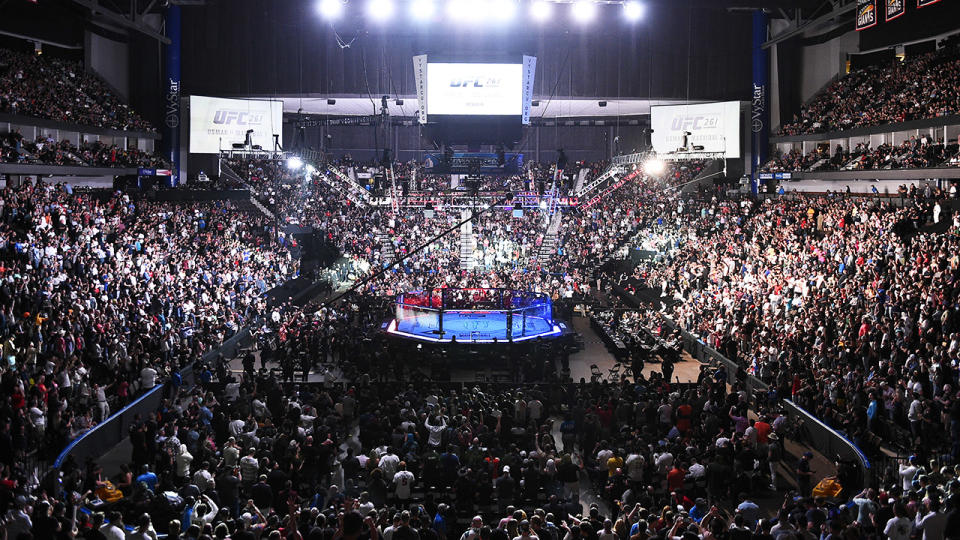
<point x="474" y="89"/>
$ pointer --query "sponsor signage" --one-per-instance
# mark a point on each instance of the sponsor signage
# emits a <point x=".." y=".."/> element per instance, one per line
<point x="474" y="163"/>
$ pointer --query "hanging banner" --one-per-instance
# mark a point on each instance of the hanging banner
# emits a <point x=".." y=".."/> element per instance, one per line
<point x="529" y="71"/>
<point x="925" y="3"/>
<point x="759" y="105"/>
<point x="866" y="14"/>
<point x="171" y="93"/>
<point x="420" y="79"/>
<point x="895" y="8"/>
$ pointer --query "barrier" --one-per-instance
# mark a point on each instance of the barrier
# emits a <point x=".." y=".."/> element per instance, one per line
<point x="825" y="439"/>
<point x="831" y="443"/>
<point x="96" y="440"/>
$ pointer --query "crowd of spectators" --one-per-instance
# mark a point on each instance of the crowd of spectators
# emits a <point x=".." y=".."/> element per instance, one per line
<point x="55" y="89"/>
<point x="915" y="153"/>
<point x="48" y="151"/>
<point x="845" y="305"/>
<point x="912" y="89"/>
<point x="103" y="297"/>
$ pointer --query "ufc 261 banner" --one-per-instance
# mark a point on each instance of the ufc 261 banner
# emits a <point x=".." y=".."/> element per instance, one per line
<point x="925" y="3"/>
<point x="866" y="14"/>
<point x="895" y="8"/>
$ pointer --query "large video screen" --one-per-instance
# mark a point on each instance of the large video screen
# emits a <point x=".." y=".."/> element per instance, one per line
<point x="218" y="123"/>
<point x="474" y="89"/>
<point x="714" y="126"/>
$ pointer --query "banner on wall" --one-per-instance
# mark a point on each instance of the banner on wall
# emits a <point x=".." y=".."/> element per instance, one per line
<point x="473" y="163"/>
<point x="925" y="3"/>
<point x="895" y="8"/>
<point x="420" y="80"/>
<point x="218" y="123"/>
<point x="529" y="72"/>
<point x="866" y="14"/>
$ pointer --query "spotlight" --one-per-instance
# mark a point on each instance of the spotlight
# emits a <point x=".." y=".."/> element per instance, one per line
<point x="294" y="163"/>
<point x="422" y="10"/>
<point x="380" y="10"/>
<point x="311" y="169"/>
<point x="460" y="10"/>
<point x="633" y="10"/>
<point x="584" y="10"/>
<point x="540" y="10"/>
<point x="654" y="166"/>
<point x="503" y="10"/>
<point x="330" y="9"/>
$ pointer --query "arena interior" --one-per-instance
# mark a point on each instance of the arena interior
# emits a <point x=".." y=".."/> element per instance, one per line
<point x="479" y="269"/>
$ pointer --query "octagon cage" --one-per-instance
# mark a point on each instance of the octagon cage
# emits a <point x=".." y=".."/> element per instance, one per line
<point x="473" y="315"/>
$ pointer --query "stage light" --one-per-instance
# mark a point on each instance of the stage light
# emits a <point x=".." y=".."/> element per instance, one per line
<point x="459" y="10"/>
<point x="503" y="10"/>
<point x="422" y="10"/>
<point x="633" y="10"/>
<point x="541" y="10"/>
<point x="330" y="9"/>
<point x="380" y="10"/>
<point x="654" y="167"/>
<point x="294" y="163"/>
<point x="311" y="169"/>
<point x="584" y="10"/>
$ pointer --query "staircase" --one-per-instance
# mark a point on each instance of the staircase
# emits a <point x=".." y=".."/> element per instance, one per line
<point x="387" y="252"/>
<point x="548" y="247"/>
<point x="394" y="194"/>
<point x="266" y="211"/>
<point x="226" y="171"/>
<point x="467" y="243"/>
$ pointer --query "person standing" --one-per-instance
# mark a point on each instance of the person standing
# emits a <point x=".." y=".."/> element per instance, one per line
<point x="805" y="474"/>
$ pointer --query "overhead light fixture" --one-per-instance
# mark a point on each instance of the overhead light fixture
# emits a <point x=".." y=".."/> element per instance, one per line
<point x="380" y="10"/>
<point x="540" y="10"/>
<point x="584" y="11"/>
<point x="503" y="10"/>
<point x="422" y="10"/>
<point x="633" y="10"/>
<point x="294" y="163"/>
<point x="330" y="9"/>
